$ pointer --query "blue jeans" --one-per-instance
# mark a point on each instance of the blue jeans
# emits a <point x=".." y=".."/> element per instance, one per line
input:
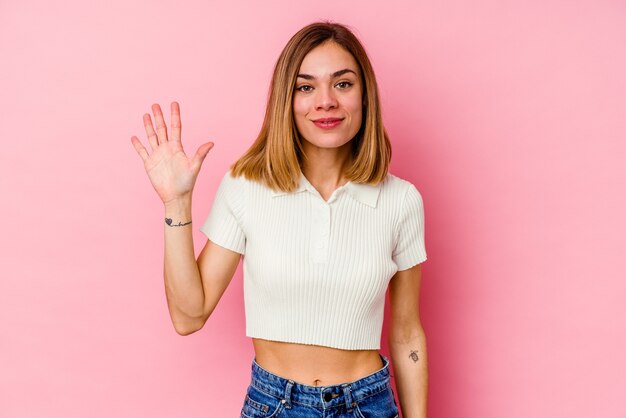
<point x="272" y="396"/>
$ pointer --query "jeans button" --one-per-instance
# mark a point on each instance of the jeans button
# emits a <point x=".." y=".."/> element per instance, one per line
<point x="328" y="396"/>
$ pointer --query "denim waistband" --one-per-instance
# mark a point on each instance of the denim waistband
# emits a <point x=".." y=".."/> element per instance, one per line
<point x="322" y="397"/>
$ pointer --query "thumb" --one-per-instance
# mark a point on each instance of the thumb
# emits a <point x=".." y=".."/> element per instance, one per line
<point x="200" y="155"/>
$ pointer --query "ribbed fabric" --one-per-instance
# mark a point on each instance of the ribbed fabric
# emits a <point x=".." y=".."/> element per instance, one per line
<point x="315" y="271"/>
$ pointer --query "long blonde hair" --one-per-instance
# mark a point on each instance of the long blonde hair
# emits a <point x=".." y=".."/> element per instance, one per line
<point x="276" y="155"/>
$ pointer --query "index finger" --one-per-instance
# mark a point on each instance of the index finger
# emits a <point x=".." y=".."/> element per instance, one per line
<point x="176" y="124"/>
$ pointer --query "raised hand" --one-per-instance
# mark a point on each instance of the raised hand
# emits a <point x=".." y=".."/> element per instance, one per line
<point x="172" y="174"/>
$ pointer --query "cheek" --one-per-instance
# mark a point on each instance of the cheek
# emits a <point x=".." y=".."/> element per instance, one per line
<point x="299" y="107"/>
<point x="357" y="121"/>
<point x="354" y="103"/>
<point x="359" y="117"/>
<point x="356" y="109"/>
<point x="299" y="115"/>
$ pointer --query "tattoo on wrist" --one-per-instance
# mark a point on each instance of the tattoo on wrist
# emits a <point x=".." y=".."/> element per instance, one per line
<point x="413" y="356"/>
<point x="169" y="222"/>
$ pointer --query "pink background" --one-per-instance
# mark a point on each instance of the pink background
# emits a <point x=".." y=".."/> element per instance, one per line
<point x="509" y="117"/>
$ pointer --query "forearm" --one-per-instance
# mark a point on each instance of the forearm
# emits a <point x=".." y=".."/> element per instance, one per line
<point x="410" y="365"/>
<point x="183" y="283"/>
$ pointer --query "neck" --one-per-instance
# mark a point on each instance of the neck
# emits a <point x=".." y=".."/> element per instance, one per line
<point x="324" y="167"/>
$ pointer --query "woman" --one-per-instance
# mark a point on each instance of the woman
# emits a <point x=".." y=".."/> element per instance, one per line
<point x="324" y="228"/>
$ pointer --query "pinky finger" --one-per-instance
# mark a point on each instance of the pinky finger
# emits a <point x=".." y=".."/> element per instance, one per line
<point x="139" y="148"/>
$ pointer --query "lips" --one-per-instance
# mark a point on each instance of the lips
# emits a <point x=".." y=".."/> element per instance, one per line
<point x="327" y="123"/>
<point x="327" y="120"/>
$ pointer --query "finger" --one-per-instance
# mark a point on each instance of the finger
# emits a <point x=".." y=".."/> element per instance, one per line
<point x="139" y="148"/>
<point x="152" y="137"/>
<point x="176" y="124"/>
<point x="160" y="123"/>
<point x="200" y="155"/>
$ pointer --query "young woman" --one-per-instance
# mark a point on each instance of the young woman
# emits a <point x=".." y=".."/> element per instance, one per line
<point x="323" y="229"/>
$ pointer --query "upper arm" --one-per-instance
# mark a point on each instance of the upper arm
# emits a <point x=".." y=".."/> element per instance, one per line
<point x="226" y="241"/>
<point x="217" y="265"/>
<point x="410" y="249"/>
<point x="404" y="294"/>
<point x="408" y="254"/>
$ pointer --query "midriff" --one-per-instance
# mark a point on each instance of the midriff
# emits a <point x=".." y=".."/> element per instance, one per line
<point x="315" y="365"/>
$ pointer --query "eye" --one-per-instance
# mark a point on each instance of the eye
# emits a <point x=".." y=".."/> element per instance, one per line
<point x="301" y="87"/>
<point x="345" y="82"/>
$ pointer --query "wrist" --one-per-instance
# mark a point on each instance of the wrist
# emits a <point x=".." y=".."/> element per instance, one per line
<point x="182" y="201"/>
<point x="179" y="210"/>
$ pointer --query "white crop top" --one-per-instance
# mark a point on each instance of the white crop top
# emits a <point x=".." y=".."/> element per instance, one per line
<point x="315" y="271"/>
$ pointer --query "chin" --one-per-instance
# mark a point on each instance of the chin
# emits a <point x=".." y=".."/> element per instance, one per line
<point x="328" y="139"/>
<point x="328" y="142"/>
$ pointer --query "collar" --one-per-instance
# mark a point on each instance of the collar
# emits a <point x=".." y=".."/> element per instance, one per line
<point x="364" y="193"/>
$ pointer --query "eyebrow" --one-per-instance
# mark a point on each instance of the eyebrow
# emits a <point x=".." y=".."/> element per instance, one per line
<point x="333" y="75"/>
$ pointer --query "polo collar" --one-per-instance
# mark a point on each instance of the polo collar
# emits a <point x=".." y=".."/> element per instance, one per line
<point x="364" y="193"/>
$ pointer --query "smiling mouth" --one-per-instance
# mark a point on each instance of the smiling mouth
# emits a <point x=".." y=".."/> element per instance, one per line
<point x="327" y="123"/>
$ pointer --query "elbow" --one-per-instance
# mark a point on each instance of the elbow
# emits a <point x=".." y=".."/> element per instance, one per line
<point x="185" y="331"/>
<point x="189" y="327"/>
<point x="400" y="335"/>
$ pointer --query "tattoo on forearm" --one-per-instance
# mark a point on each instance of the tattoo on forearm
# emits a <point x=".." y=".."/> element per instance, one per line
<point x="413" y="356"/>
<point x="169" y="222"/>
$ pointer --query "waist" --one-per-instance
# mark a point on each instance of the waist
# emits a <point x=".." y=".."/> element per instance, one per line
<point x="323" y="397"/>
<point x="315" y="365"/>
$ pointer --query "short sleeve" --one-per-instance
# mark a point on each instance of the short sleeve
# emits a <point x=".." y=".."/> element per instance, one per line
<point x="410" y="249"/>
<point x="223" y="225"/>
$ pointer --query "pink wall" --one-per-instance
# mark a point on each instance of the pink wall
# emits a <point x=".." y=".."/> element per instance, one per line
<point x="508" y="116"/>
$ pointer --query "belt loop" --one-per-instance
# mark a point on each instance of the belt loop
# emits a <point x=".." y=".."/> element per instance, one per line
<point x="348" y="397"/>
<point x="288" y="388"/>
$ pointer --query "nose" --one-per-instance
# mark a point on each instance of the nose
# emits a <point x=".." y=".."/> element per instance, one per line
<point x="325" y="98"/>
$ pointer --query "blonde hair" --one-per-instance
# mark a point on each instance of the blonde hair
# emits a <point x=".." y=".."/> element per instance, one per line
<point x="275" y="157"/>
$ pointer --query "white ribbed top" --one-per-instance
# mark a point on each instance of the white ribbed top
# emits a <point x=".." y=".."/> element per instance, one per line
<point x="315" y="271"/>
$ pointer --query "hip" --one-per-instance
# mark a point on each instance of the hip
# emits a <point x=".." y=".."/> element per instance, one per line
<point x="272" y="396"/>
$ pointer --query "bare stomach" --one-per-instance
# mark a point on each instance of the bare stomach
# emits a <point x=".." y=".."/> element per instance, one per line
<point x="315" y="365"/>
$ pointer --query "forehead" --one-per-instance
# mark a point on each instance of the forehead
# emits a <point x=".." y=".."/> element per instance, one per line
<point x="327" y="58"/>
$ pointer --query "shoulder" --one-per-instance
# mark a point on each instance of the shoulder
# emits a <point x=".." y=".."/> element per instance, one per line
<point x="400" y="187"/>
<point x="231" y="181"/>
<point x="232" y="188"/>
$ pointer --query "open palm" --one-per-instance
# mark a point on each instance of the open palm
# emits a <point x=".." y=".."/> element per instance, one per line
<point x="172" y="173"/>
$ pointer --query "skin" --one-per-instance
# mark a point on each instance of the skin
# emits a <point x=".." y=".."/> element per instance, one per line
<point x="195" y="288"/>
<point x="329" y="153"/>
<point x="327" y="96"/>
